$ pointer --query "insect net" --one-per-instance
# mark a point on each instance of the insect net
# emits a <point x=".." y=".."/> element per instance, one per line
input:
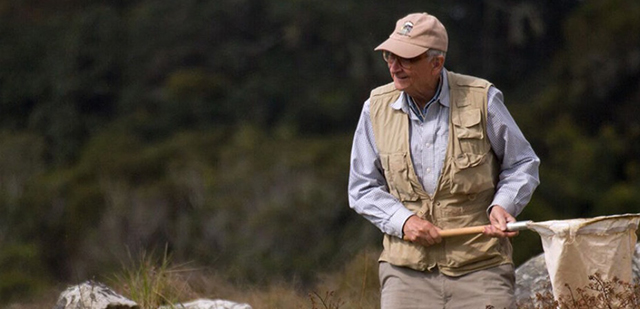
<point x="578" y="248"/>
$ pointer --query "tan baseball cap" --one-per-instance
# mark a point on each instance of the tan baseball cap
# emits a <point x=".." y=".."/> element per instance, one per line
<point x="415" y="34"/>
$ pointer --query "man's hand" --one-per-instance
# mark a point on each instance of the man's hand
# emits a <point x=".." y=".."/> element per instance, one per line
<point x="499" y="218"/>
<point x="421" y="231"/>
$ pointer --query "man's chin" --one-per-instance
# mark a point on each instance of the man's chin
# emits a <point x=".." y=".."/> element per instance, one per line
<point x="400" y="84"/>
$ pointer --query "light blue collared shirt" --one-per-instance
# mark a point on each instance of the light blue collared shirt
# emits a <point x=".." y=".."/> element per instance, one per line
<point x="368" y="191"/>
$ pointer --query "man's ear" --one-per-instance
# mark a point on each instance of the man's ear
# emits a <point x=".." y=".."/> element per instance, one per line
<point x="439" y="60"/>
<point x="437" y="64"/>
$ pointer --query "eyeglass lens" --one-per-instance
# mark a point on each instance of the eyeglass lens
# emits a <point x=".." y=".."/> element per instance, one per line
<point x="389" y="57"/>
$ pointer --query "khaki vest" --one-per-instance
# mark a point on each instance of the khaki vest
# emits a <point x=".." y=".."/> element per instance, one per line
<point x="465" y="189"/>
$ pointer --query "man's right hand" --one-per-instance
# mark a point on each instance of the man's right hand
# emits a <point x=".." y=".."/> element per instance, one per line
<point x="421" y="231"/>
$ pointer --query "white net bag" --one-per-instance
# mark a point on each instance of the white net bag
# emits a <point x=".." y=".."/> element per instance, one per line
<point x="578" y="248"/>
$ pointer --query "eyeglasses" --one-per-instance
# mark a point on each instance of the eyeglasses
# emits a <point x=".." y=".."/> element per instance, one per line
<point x="389" y="57"/>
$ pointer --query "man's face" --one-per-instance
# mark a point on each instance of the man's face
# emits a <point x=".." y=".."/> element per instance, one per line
<point x="416" y="76"/>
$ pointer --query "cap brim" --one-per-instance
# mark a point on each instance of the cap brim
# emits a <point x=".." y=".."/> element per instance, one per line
<point x="402" y="49"/>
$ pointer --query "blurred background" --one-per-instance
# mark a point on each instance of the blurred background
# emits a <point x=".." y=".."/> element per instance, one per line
<point x="222" y="129"/>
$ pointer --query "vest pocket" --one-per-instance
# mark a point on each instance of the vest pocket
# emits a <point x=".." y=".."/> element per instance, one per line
<point x="471" y="168"/>
<point x="396" y="171"/>
<point x="471" y="173"/>
<point x="402" y="253"/>
<point x="469" y="131"/>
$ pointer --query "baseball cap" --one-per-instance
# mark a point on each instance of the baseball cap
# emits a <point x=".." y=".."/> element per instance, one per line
<point x="415" y="34"/>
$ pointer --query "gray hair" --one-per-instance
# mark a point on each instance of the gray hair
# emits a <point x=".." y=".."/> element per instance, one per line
<point x="435" y="52"/>
<point x="432" y="53"/>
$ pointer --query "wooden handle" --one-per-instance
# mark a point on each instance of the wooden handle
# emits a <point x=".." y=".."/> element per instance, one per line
<point x="513" y="226"/>
<point x="459" y="231"/>
<point x="462" y="231"/>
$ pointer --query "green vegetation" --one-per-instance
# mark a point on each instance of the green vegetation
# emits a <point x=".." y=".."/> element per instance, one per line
<point x="223" y="128"/>
<point x="152" y="282"/>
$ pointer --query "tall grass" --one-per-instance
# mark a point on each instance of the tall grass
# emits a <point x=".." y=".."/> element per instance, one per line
<point x="153" y="281"/>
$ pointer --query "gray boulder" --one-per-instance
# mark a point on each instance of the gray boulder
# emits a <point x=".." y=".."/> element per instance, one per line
<point x="532" y="278"/>
<point x="94" y="295"/>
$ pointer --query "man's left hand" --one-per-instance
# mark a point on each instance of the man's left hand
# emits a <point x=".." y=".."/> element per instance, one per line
<point x="499" y="218"/>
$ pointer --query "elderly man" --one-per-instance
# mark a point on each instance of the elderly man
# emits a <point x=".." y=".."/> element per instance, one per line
<point x="437" y="150"/>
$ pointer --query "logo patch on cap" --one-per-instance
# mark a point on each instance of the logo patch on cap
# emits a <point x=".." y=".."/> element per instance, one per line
<point x="406" y="28"/>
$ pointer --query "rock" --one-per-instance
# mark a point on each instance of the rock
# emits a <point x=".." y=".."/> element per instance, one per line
<point x="94" y="295"/>
<point x="532" y="277"/>
<point x="635" y="265"/>
<point x="208" y="304"/>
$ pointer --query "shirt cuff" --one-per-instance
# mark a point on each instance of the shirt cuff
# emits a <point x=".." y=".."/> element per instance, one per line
<point x="396" y="222"/>
<point x="505" y="203"/>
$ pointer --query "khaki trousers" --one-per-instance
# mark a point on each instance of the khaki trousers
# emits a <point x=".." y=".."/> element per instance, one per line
<point x="405" y="288"/>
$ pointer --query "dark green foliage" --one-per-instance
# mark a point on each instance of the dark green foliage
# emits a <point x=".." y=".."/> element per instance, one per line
<point x="586" y="129"/>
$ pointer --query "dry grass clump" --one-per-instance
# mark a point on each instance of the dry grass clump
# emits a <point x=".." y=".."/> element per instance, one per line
<point x="152" y="282"/>
<point x="598" y="294"/>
